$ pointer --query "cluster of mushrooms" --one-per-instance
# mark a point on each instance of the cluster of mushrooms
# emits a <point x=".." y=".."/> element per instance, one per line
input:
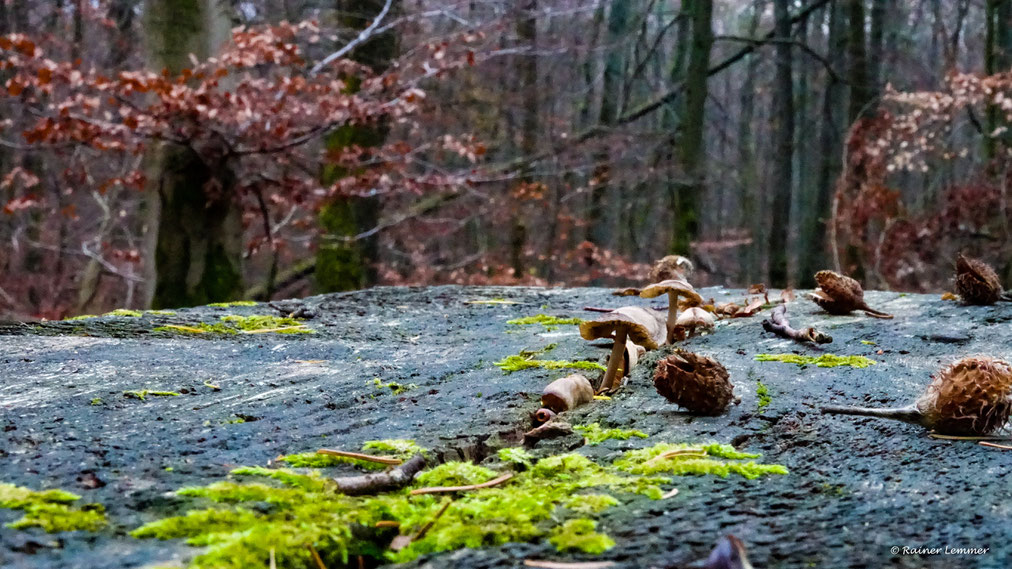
<point x="970" y="397"/>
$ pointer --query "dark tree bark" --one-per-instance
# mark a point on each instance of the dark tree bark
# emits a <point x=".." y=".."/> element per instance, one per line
<point x="860" y="86"/>
<point x="122" y="39"/>
<point x="344" y="262"/>
<point x="527" y="33"/>
<point x="691" y="157"/>
<point x="750" y="181"/>
<point x="194" y="219"/>
<point x="782" y="163"/>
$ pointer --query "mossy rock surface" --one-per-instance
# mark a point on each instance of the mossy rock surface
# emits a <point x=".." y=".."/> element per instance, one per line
<point x="856" y="488"/>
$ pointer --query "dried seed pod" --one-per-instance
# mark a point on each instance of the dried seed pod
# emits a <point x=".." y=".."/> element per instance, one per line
<point x="838" y="294"/>
<point x="567" y="393"/>
<point x="671" y="267"/>
<point x="976" y="281"/>
<point x="970" y="397"/>
<point x="698" y="383"/>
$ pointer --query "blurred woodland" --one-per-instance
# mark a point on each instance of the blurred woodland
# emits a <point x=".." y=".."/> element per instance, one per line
<point x="165" y="153"/>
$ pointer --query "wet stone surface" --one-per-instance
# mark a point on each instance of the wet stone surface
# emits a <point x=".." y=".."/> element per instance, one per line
<point x="857" y="487"/>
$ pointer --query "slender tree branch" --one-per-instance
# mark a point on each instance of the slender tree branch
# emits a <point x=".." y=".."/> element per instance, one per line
<point x="363" y="36"/>
<point x="800" y="44"/>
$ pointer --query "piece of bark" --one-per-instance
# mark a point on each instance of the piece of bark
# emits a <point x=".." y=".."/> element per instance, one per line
<point x="781" y="326"/>
<point x="382" y="481"/>
<point x="550" y="430"/>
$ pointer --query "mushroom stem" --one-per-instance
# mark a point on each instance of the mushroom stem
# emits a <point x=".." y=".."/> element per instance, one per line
<point x="672" y="315"/>
<point x="906" y="414"/>
<point x="615" y="361"/>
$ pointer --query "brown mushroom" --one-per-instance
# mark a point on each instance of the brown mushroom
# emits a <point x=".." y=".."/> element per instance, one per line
<point x="977" y="282"/>
<point x="838" y="294"/>
<point x="639" y="325"/>
<point x="674" y="288"/>
<point x="693" y="318"/>
<point x="567" y="393"/>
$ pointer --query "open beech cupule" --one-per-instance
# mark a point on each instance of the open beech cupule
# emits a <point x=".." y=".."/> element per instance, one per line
<point x="977" y="282"/>
<point x="697" y="383"/>
<point x="840" y="295"/>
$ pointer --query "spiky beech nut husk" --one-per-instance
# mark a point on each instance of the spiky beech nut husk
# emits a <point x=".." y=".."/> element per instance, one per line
<point x="976" y="281"/>
<point x="838" y="294"/>
<point x="670" y="267"/>
<point x="970" y="397"/>
<point x="697" y="383"/>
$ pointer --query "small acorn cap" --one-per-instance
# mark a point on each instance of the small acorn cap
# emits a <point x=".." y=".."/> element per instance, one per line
<point x="671" y="267"/>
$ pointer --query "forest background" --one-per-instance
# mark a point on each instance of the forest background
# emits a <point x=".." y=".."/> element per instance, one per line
<point x="177" y="152"/>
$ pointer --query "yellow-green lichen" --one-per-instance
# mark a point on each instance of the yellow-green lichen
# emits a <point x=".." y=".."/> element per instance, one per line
<point x="579" y="535"/>
<point x="649" y="461"/>
<point x="525" y="360"/>
<point x="125" y="312"/>
<point x="50" y="510"/>
<point x="825" y="360"/>
<point x="231" y="304"/>
<point x="596" y="435"/>
<point x="143" y="394"/>
<point x="401" y="448"/>
<point x="590" y="503"/>
<point x="868" y="343"/>
<point x="236" y="324"/>
<point x="80" y="317"/>
<point x="160" y="312"/>
<point x="549" y="322"/>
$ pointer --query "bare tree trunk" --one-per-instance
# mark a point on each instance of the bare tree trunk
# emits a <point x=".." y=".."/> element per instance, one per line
<point x="527" y="33"/>
<point x="860" y="87"/>
<point x="691" y="150"/>
<point x="751" y="184"/>
<point x="783" y="140"/>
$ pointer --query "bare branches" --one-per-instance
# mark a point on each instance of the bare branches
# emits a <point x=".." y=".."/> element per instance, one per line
<point x="363" y="36"/>
<point x="779" y="325"/>
<point x="382" y="481"/>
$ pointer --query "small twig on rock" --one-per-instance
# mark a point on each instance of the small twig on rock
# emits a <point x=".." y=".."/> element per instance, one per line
<point x="992" y="445"/>
<point x="316" y="556"/>
<point x="698" y="452"/>
<point x="597" y="309"/>
<point x="549" y="430"/>
<point x="360" y="456"/>
<point x="564" y="565"/>
<point x="382" y="481"/>
<point x="968" y="438"/>
<point x="779" y="325"/>
<point x="447" y="489"/>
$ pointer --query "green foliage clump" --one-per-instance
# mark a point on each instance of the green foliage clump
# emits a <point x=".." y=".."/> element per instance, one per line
<point x="549" y="322"/>
<point x="579" y="535"/>
<point x="50" y="510"/>
<point x="394" y="387"/>
<point x="231" y="304"/>
<point x="825" y="360"/>
<point x="235" y="324"/>
<point x="455" y="474"/>
<point x="143" y="394"/>
<point x="525" y="360"/>
<point x="81" y="317"/>
<point x="516" y="455"/>
<point x="648" y="461"/>
<point x="590" y="503"/>
<point x="596" y="435"/>
<point x="397" y="448"/>
<point x="304" y="509"/>
<point x="125" y="312"/>
<point x="763" y="393"/>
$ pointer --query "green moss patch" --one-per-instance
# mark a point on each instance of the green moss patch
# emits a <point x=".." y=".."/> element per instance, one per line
<point x="596" y="435"/>
<point x="579" y="535"/>
<point x="143" y="394"/>
<point x="526" y="360"/>
<point x="549" y="322"/>
<point x="763" y="393"/>
<point x="825" y="360"/>
<point x="232" y="304"/>
<point x="236" y="324"/>
<point x="392" y="386"/>
<point x="397" y="448"/>
<point x="50" y="510"/>
<point x="716" y="459"/>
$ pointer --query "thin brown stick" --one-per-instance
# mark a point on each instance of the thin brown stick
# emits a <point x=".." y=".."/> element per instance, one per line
<point x="597" y="309"/>
<point x="445" y="489"/>
<point x="993" y="445"/>
<point x="316" y="556"/>
<point x="967" y="438"/>
<point x="382" y="481"/>
<point x="781" y="326"/>
<point x="680" y="452"/>
<point x="360" y="456"/>
<point x="425" y="529"/>
<point x="560" y="565"/>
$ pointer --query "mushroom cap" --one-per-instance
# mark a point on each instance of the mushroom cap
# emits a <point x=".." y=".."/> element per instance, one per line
<point x="671" y="267"/>
<point x="642" y="326"/>
<point x="678" y="286"/>
<point x="696" y="316"/>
